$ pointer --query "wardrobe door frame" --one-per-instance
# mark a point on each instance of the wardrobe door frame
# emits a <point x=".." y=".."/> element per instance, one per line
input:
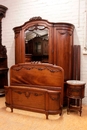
<point x="63" y="48"/>
<point x="20" y="42"/>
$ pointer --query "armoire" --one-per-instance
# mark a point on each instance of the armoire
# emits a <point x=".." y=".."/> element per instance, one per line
<point x="49" y="42"/>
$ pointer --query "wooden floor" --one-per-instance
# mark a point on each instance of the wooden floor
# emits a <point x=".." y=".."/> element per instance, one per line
<point x="25" y="120"/>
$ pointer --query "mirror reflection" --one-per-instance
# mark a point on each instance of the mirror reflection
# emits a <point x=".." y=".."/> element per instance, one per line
<point x="36" y="44"/>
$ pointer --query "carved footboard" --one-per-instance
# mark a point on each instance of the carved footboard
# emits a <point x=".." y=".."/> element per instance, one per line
<point x="33" y="99"/>
<point x="36" y="87"/>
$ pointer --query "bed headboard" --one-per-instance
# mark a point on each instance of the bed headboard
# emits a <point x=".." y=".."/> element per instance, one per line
<point x="43" y="74"/>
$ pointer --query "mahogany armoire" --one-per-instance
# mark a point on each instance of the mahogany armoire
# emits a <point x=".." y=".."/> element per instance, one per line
<point x="47" y="42"/>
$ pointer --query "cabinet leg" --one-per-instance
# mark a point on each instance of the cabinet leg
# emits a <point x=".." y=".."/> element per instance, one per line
<point x="80" y="107"/>
<point x="68" y="105"/>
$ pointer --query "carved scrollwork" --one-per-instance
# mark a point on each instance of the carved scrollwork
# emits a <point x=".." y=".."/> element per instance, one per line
<point x="35" y="66"/>
<point x="36" y="27"/>
<point x="55" y="98"/>
<point x="17" y="35"/>
<point x="17" y="92"/>
<point x="71" y="91"/>
<point x="66" y="32"/>
<point x="38" y="94"/>
<point x="26" y="93"/>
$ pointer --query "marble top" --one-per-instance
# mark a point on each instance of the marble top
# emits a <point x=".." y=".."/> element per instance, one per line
<point x="75" y="82"/>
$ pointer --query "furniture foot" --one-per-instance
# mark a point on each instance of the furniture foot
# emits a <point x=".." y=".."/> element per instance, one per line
<point x="60" y="112"/>
<point x="11" y="109"/>
<point x="46" y="115"/>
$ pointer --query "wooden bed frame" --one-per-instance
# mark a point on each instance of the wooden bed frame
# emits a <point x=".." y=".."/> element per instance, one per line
<point x="36" y="87"/>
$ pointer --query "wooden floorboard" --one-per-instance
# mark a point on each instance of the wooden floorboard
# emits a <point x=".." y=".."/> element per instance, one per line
<point x="25" y="120"/>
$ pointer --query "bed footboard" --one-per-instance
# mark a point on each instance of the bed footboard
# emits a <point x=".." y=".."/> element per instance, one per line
<point x="33" y="99"/>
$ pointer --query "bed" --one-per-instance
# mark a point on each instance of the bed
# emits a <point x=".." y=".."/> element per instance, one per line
<point x="36" y="87"/>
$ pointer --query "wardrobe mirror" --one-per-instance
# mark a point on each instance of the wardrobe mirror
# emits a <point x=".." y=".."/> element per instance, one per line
<point x="36" y="43"/>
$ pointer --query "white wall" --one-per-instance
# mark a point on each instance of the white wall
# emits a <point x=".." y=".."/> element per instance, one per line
<point x="72" y="11"/>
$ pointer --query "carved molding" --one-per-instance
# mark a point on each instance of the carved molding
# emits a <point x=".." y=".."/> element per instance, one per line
<point x="36" y="26"/>
<point x="65" y="32"/>
<point x="37" y="66"/>
<point x="77" y="91"/>
<point x="17" y="35"/>
<point x="55" y="97"/>
<point x="28" y="93"/>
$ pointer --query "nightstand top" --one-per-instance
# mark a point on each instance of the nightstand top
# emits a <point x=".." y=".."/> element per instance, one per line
<point x="75" y="82"/>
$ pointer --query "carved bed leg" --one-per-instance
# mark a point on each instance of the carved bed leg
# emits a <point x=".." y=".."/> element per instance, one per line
<point x="61" y="111"/>
<point x="11" y="109"/>
<point x="46" y="115"/>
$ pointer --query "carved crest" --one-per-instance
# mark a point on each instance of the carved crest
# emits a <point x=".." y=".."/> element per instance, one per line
<point x="35" y="18"/>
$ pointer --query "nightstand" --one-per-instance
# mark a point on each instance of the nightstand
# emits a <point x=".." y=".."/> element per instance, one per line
<point x="75" y="94"/>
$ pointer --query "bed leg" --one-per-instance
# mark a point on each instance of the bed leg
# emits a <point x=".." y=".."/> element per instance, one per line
<point x="11" y="109"/>
<point x="46" y="115"/>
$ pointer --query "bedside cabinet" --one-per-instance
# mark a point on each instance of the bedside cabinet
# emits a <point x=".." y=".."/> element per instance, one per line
<point x="75" y="94"/>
